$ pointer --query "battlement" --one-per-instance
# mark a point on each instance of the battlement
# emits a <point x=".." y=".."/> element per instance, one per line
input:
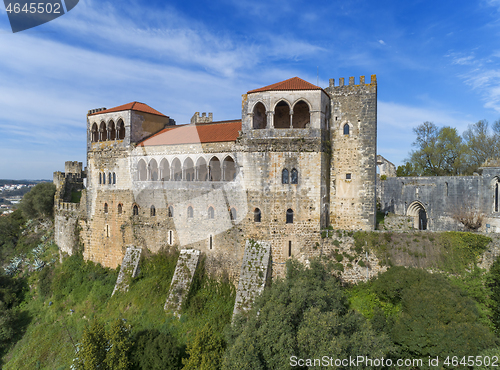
<point x="97" y="110"/>
<point x="74" y="168"/>
<point x="203" y="118"/>
<point x="352" y="82"/>
<point x="67" y="206"/>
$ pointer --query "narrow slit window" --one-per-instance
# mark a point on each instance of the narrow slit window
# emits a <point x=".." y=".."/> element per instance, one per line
<point x="135" y="210"/>
<point x="153" y="211"/>
<point x="170" y="237"/>
<point x="289" y="248"/>
<point x="120" y="209"/>
<point x="232" y="214"/>
<point x="170" y="211"/>
<point x="289" y="216"/>
<point x="105" y="207"/>
<point x="257" y="215"/>
<point x="211" y="242"/>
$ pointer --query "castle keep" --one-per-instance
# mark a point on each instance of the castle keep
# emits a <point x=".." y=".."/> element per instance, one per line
<point x="300" y="159"/>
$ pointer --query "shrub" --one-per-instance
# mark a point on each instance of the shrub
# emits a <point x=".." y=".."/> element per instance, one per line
<point x="39" y="201"/>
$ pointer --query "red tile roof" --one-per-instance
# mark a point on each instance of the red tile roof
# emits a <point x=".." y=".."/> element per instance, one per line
<point x="192" y="134"/>
<point x="294" y="83"/>
<point x="139" y="107"/>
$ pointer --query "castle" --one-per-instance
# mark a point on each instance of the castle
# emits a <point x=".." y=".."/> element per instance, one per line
<point x="300" y="160"/>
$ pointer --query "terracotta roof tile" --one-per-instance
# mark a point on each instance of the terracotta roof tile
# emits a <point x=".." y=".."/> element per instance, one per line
<point x="139" y="107"/>
<point x="294" y="83"/>
<point x="192" y="134"/>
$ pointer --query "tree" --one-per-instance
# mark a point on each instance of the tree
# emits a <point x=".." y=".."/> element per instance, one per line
<point x="156" y="351"/>
<point x="437" y="318"/>
<point x="440" y="151"/>
<point x="306" y="315"/>
<point x="205" y="350"/>
<point x="39" y="201"/>
<point x="481" y="144"/>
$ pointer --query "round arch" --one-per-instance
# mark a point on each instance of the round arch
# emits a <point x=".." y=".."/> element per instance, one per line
<point x="229" y="169"/>
<point x="153" y="170"/>
<point x="164" y="170"/>
<point x="111" y="130"/>
<point x="417" y="210"/>
<point x="94" y="133"/>
<point x="301" y="114"/>
<point x="201" y="169"/>
<point x="188" y="169"/>
<point x="176" y="169"/>
<point x="142" y="170"/>
<point x="214" y="169"/>
<point x="103" y="135"/>
<point x="120" y="129"/>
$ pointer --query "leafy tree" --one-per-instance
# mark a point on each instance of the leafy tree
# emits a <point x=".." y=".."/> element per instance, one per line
<point x="437" y="318"/>
<point x="10" y="231"/>
<point x="481" y="144"/>
<point x="305" y="315"/>
<point x="205" y="350"/>
<point x="104" y="349"/>
<point x="156" y="351"/>
<point x="406" y="170"/>
<point x="495" y="295"/>
<point x="440" y="151"/>
<point x="39" y="201"/>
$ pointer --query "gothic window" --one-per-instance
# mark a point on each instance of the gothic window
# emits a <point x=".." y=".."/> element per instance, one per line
<point x="105" y="207"/>
<point x="100" y="178"/>
<point x="177" y="169"/>
<point x="143" y="172"/>
<point x="189" y="169"/>
<point x="229" y="169"/>
<point x="102" y="132"/>
<point x="170" y="211"/>
<point x="153" y="170"/>
<point x="201" y="170"/>
<point x="346" y="129"/>
<point x="259" y="116"/>
<point x="214" y="169"/>
<point x="165" y="170"/>
<point x="104" y="178"/>
<point x="110" y="179"/>
<point x="284" y="176"/>
<point x="95" y="134"/>
<point x="211" y="213"/>
<point x="190" y="212"/>
<point x="114" y="178"/>
<point x="289" y="216"/>
<point x="111" y="131"/>
<point x="153" y="211"/>
<point x="135" y="210"/>
<point x="120" y="209"/>
<point x="294" y="178"/>
<point x="257" y="215"/>
<point x="121" y="130"/>
<point x="282" y="115"/>
<point x="232" y="214"/>
<point x="301" y="115"/>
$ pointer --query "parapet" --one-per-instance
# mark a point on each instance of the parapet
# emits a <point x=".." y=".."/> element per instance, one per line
<point x="97" y="110"/>
<point x="203" y="118"/>
<point x="74" y="168"/>
<point x="352" y="82"/>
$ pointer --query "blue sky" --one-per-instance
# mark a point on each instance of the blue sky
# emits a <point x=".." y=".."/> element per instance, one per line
<point x="434" y="60"/>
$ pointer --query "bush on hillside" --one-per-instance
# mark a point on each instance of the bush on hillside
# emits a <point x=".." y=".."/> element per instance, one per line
<point x="39" y="201"/>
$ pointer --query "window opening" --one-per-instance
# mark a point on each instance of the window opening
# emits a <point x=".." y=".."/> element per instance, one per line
<point x="170" y="237"/>
<point x="257" y="215"/>
<point x="135" y="211"/>
<point x="170" y="211"/>
<point x="347" y="176"/>
<point x="289" y="216"/>
<point x="190" y="212"/>
<point x="120" y="208"/>
<point x="104" y="178"/>
<point x="114" y="178"/>
<point x="211" y="213"/>
<point x="211" y="242"/>
<point x="294" y="178"/>
<point x="232" y="214"/>
<point x="284" y="176"/>
<point x="289" y="248"/>
<point x="346" y="129"/>
<point x="105" y="207"/>
<point x="153" y="211"/>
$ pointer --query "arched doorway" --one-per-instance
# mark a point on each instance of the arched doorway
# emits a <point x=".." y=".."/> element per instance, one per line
<point x="417" y="211"/>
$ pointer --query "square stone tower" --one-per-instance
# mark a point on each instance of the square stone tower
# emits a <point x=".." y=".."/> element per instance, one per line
<point x="353" y="132"/>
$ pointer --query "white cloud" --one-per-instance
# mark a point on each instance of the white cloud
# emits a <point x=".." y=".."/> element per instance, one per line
<point x="382" y="42"/>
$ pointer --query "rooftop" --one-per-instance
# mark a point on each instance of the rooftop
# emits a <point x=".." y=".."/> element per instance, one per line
<point x="294" y="83"/>
<point x="139" y="107"/>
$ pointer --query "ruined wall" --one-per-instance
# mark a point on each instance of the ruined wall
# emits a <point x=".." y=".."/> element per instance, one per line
<point x="353" y="163"/>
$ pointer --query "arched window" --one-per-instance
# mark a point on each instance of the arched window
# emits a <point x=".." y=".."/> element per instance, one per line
<point x="153" y="170"/>
<point x="114" y="178"/>
<point x="111" y="131"/>
<point x="289" y="216"/>
<point x="346" y="129"/>
<point x="105" y="207"/>
<point x="284" y="176"/>
<point x="170" y="211"/>
<point x="229" y="169"/>
<point x="232" y="214"/>
<point x="256" y="215"/>
<point x="177" y="169"/>
<point x="153" y="211"/>
<point x="100" y="178"/>
<point x="259" y="116"/>
<point x="120" y="209"/>
<point x="104" y="178"/>
<point x="102" y="132"/>
<point x="282" y="115"/>
<point x="110" y="178"/>
<point x="201" y="169"/>
<point x="190" y="212"/>
<point x="95" y="134"/>
<point x="121" y="130"/>
<point x="189" y="169"/>
<point x="211" y="213"/>
<point x="214" y="169"/>
<point x="301" y="116"/>
<point x="164" y="170"/>
<point x="294" y="178"/>
<point x="135" y="210"/>
<point x="142" y="170"/>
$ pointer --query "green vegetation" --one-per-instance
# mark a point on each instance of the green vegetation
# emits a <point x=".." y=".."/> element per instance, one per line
<point x="39" y="201"/>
